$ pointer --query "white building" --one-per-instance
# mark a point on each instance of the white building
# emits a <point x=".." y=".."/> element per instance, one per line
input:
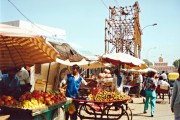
<point x="50" y="33"/>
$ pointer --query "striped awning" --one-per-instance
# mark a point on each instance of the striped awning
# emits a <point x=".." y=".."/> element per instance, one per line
<point x="23" y="48"/>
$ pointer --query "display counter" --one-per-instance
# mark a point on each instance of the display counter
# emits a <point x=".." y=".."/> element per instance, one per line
<point x="46" y="113"/>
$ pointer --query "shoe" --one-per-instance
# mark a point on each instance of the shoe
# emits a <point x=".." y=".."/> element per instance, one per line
<point x="152" y="115"/>
<point x="145" y="112"/>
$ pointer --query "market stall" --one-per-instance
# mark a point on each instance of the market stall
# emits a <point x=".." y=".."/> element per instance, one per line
<point x="36" y="105"/>
<point x="20" y="48"/>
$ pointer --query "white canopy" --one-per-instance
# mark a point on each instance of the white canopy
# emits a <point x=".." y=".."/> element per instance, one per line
<point x="85" y="64"/>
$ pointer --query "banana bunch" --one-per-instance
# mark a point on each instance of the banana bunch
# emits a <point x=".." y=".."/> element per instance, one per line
<point x="31" y="104"/>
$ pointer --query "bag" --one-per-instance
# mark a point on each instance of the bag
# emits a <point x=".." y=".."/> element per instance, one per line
<point x="143" y="92"/>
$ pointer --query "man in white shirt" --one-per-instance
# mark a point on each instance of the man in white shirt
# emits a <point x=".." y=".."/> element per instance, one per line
<point x="164" y="75"/>
<point x="163" y="85"/>
<point x="139" y="84"/>
<point x="23" y="76"/>
<point x="162" y="82"/>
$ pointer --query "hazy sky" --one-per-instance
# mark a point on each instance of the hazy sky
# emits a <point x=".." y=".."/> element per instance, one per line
<point x="84" y="22"/>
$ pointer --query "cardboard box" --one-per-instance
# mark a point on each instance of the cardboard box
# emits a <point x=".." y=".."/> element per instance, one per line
<point x="42" y="87"/>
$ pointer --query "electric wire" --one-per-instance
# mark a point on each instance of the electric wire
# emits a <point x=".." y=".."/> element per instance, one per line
<point x="30" y="20"/>
<point x="104" y="4"/>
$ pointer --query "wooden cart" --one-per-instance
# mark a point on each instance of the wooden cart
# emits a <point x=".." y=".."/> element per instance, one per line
<point x="99" y="110"/>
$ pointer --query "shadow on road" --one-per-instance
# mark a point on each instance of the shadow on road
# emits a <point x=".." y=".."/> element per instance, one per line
<point x="141" y="114"/>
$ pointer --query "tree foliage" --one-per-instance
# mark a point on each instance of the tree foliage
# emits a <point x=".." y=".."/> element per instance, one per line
<point x="176" y="63"/>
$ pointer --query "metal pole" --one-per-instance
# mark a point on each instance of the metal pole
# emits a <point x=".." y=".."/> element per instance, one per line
<point x="47" y="77"/>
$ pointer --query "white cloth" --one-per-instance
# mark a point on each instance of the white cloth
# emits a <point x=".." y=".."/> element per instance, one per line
<point x="164" y="76"/>
<point x="140" y="79"/>
<point x="23" y="76"/>
<point x="162" y="82"/>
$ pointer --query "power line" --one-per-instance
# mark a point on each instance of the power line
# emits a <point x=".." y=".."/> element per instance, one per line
<point x="104" y="4"/>
<point x="29" y="19"/>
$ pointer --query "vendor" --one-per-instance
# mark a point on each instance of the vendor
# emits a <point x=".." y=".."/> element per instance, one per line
<point x="119" y="80"/>
<point x="23" y="76"/>
<point x="73" y="81"/>
<point x="10" y="84"/>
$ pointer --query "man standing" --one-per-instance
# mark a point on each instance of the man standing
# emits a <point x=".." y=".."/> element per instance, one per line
<point x="23" y="76"/>
<point x="73" y="81"/>
<point x="10" y="84"/>
<point x="164" y="75"/>
<point x="139" y="84"/>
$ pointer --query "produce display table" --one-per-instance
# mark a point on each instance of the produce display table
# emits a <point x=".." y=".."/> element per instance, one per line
<point x="100" y="110"/>
<point x="46" y="113"/>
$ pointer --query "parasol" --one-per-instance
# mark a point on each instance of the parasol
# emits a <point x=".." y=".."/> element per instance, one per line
<point x="19" y="47"/>
<point x="122" y="58"/>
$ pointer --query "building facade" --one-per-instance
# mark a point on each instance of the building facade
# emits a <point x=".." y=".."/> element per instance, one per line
<point x="161" y="65"/>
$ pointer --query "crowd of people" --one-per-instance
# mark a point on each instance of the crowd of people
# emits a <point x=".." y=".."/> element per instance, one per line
<point x="15" y="82"/>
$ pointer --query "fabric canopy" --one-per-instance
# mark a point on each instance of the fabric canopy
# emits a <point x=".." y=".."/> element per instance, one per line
<point x="122" y="58"/>
<point x="19" y="47"/>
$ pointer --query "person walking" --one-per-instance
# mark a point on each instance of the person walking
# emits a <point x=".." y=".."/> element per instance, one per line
<point x="150" y="88"/>
<point x="175" y="100"/>
<point x="118" y="80"/>
<point x="73" y="81"/>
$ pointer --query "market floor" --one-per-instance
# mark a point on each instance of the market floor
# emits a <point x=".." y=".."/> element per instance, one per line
<point x="162" y="110"/>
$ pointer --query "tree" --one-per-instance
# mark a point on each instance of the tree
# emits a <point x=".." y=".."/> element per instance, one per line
<point x="176" y="63"/>
<point x="147" y="62"/>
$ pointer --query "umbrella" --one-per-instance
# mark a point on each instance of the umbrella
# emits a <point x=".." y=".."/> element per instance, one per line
<point x="122" y="58"/>
<point x="19" y="47"/>
<point x="141" y="70"/>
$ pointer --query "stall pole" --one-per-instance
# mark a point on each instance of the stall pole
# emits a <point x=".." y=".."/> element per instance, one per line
<point x="47" y="76"/>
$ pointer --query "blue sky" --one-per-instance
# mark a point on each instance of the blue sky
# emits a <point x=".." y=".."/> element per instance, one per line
<point x="84" y="22"/>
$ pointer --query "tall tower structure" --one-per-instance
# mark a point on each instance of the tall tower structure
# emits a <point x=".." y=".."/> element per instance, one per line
<point x="122" y="30"/>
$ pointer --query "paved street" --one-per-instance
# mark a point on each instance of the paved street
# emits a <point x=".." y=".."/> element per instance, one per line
<point x="162" y="111"/>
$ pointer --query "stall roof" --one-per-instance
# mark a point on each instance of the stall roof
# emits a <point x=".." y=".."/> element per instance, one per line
<point x="66" y="52"/>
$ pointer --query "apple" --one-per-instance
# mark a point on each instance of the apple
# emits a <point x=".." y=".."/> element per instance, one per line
<point x="9" y="97"/>
<point x="2" y="102"/>
<point x="7" y="103"/>
<point x="11" y="102"/>
<point x="45" y="94"/>
<point x="3" y="97"/>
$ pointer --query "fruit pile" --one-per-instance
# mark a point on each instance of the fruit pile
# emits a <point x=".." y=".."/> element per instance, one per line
<point x="7" y="100"/>
<point x="33" y="100"/>
<point x="108" y="96"/>
<point x="47" y="98"/>
<point x="30" y="104"/>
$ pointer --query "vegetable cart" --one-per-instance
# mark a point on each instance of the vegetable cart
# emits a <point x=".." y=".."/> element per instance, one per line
<point x="99" y="110"/>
